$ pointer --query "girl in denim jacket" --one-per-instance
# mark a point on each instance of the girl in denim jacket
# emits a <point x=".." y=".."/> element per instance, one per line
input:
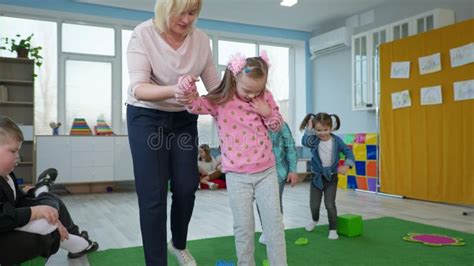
<point x="325" y="148"/>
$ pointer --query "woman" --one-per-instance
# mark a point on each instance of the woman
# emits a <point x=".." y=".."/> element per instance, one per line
<point x="163" y="53"/>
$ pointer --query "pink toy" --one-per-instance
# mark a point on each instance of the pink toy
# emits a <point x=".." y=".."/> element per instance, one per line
<point x="434" y="240"/>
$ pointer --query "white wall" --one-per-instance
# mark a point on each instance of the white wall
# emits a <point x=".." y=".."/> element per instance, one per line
<point x="332" y="73"/>
<point x="332" y="92"/>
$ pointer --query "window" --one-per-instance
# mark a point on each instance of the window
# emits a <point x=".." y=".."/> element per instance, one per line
<point x="89" y="59"/>
<point x="91" y="97"/>
<point x="88" y="39"/>
<point x="126" y="35"/>
<point x="228" y="48"/>
<point x="46" y="83"/>
<point x="278" y="78"/>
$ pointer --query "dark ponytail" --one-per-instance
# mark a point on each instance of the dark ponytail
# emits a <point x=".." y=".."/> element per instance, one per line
<point x="338" y="122"/>
<point x="305" y="121"/>
<point x="322" y="118"/>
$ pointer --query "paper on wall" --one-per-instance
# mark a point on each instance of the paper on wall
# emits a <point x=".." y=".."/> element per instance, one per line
<point x="401" y="99"/>
<point x="429" y="64"/>
<point x="400" y="70"/>
<point x="464" y="90"/>
<point x="462" y="55"/>
<point x="431" y="95"/>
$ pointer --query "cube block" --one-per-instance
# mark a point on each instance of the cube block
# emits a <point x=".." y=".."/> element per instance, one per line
<point x="349" y="225"/>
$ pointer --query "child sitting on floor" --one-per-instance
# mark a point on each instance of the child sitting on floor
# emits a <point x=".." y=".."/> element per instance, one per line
<point x="36" y="223"/>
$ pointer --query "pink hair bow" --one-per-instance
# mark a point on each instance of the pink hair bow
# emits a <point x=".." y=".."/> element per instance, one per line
<point x="264" y="56"/>
<point x="236" y="63"/>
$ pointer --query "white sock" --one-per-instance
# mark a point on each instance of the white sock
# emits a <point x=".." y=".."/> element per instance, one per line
<point x="333" y="235"/>
<point x="74" y="244"/>
<point x="40" y="226"/>
<point x="41" y="190"/>
<point x="310" y="227"/>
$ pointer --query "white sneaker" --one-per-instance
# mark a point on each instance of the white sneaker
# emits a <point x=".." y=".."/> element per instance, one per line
<point x="333" y="235"/>
<point x="213" y="186"/>
<point x="183" y="256"/>
<point x="262" y="240"/>
<point x="310" y="227"/>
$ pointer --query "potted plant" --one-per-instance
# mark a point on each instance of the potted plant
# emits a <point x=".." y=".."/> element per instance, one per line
<point x="23" y="48"/>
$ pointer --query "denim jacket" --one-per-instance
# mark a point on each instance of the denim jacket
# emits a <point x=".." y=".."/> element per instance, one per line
<point x="311" y="141"/>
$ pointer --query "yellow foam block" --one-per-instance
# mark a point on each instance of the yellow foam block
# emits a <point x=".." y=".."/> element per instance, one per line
<point x="371" y="138"/>
<point x="351" y="171"/>
<point x="360" y="152"/>
<point x="342" y="183"/>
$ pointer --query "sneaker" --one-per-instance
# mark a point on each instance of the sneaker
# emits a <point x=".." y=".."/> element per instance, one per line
<point x="310" y="227"/>
<point x="46" y="178"/>
<point x="93" y="246"/>
<point x="183" y="256"/>
<point x="213" y="186"/>
<point x="333" y="235"/>
<point x="262" y="240"/>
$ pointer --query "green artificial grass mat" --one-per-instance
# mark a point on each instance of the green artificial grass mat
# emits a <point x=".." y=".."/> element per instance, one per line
<point x="381" y="243"/>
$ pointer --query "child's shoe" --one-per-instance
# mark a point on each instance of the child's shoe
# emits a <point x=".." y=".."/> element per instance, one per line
<point x="46" y="178"/>
<point x="93" y="246"/>
<point x="310" y="227"/>
<point x="333" y="235"/>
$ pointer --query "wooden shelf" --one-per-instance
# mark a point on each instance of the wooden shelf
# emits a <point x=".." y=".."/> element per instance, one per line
<point x="17" y="60"/>
<point x="17" y="103"/>
<point x="17" y="75"/>
<point x="16" y="82"/>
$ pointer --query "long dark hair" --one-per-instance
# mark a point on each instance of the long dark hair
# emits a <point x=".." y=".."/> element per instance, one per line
<point x="324" y="119"/>
<point x="255" y="68"/>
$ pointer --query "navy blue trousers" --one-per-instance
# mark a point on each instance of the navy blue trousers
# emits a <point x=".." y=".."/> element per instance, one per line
<point x="164" y="147"/>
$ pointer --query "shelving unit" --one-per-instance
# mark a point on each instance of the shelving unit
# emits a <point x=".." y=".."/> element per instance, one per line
<point x="16" y="75"/>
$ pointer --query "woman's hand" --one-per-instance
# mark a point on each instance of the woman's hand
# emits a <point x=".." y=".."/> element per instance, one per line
<point x="261" y="107"/>
<point x="185" y="98"/>
<point x="343" y="169"/>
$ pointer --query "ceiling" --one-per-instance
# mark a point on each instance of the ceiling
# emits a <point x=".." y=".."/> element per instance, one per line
<point x="306" y="15"/>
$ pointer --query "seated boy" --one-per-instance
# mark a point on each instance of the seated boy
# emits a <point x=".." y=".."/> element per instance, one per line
<point x="35" y="223"/>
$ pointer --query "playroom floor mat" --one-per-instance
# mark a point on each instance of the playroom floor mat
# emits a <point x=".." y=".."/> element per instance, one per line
<point x="380" y="244"/>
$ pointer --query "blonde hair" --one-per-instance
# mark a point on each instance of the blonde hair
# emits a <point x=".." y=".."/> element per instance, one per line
<point x="255" y="68"/>
<point x="164" y="9"/>
<point x="9" y="131"/>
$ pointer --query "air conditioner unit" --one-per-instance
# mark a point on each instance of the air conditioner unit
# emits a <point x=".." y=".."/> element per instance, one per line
<point x="330" y="41"/>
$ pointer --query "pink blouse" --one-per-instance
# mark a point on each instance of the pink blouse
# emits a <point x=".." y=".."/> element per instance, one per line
<point x="151" y="60"/>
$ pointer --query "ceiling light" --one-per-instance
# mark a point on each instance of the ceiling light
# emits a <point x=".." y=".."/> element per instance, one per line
<point x="288" y="2"/>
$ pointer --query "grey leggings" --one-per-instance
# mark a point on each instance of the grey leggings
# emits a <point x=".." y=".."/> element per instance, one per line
<point x="315" y="195"/>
